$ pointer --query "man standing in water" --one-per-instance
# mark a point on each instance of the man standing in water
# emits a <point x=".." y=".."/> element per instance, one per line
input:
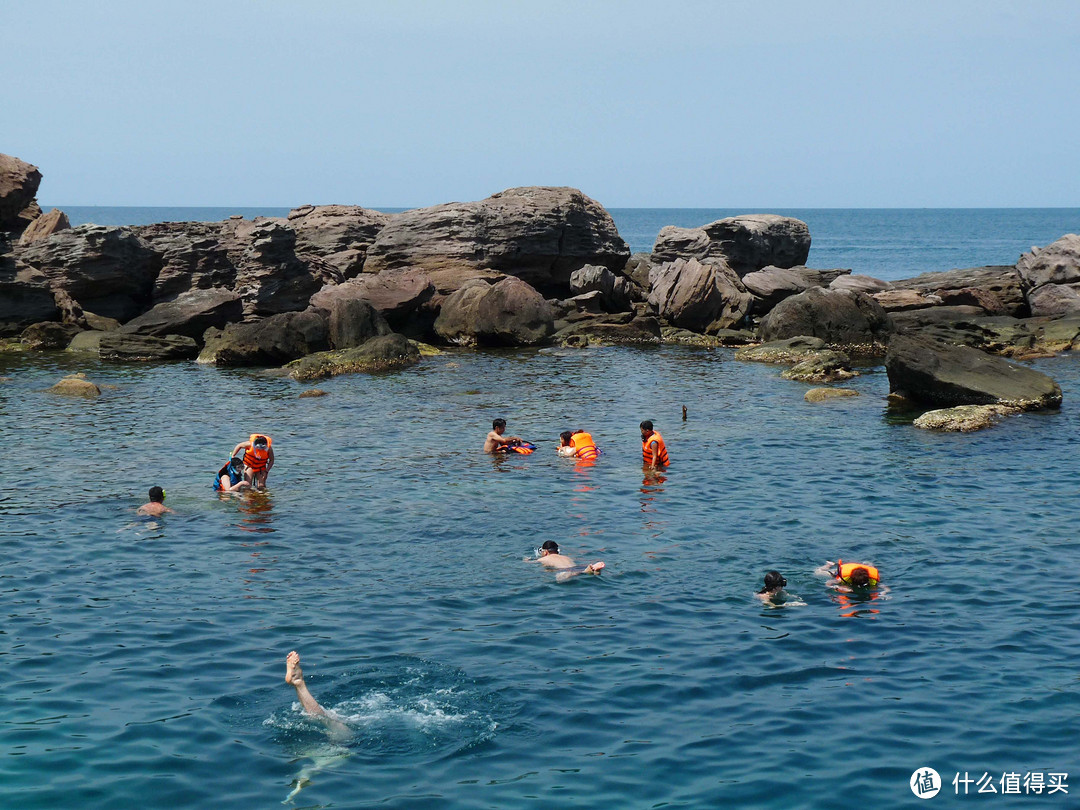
<point x="653" y="450"/>
<point x="496" y="442"/>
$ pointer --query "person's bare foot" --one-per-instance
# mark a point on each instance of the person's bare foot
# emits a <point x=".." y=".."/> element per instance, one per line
<point x="293" y="674"/>
<point x="595" y="568"/>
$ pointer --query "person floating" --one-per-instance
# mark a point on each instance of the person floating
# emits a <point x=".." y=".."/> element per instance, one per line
<point x="857" y="576"/>
<point x="578" y="444"/>
<point x="497" y="443"/>
<point x="157" y="506"/>
<point x="230" y="478"/>
<point x="548" y="556"/>
<point x="654" y="454"/>
<point x="258" y="455"/>
<point x="774" y="587"/>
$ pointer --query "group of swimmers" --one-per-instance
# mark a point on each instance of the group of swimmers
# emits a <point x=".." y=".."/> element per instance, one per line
<point x="580" y="445"/>
<point x="845" y="577"/>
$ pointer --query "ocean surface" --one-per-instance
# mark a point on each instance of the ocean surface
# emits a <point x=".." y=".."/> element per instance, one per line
<point x="144" y="658"/>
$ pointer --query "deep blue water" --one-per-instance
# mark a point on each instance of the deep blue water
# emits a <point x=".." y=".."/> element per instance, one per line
<point x="888" y="243"/>
<point x="143" y="659"/>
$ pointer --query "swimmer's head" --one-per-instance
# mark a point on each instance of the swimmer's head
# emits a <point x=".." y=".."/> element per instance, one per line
<point x="859" y="578"/>
<point x="237" y="463"/>
<point x="498" y="425"/>
<point x="260" y="441"/>
<point x="565" y="436"/>
<point x="550" y="546"/>
<point x="157" y="494"/>
<point x="774" y="581"/>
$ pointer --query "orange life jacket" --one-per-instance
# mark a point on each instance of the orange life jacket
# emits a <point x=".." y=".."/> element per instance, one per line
<point x="661" y="450"/>
<point x="254" y="458"/>
<point x="584" y="447"/>
<point x="844" y="570"/>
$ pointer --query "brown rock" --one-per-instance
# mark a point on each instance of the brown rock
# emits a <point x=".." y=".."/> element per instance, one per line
<point x="19" y="183"/>
<point x="44" y="226"/>
<point x="1057" y="263"/>
<point x="338" y="234"/>
<point x="823" y="394"/>
<point x="699" y="297"/>
<point x="508" y="313"/>
<point x="75" y="385"/>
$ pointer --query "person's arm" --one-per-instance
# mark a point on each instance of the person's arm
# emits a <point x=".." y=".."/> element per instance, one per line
<point x="654" y="451"/>
<point x="270" y="460"/>
<point x="228" y="486"/>
<point x="238" y="448"/>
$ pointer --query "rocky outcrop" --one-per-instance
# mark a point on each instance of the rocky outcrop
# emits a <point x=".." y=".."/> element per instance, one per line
<point x="23" y="304"/>
<point x="1055" y="300"/>
<point x="931" y="373"/>
<point x="270" y="279"/>
<point x="852" y="321"/>
<point x="127" y="347"/>
<point x="747" y="243"/>
<point x="508" y="313"/>
<point x="822" y="367"/>
<point x="196" y="255"/>
<point x="269" y="342"/>
<point x="45" y="226"/>
<point x="642" y="330"/>
<point x="997" y="290"/>
<point x="859" y="283"/>
<point x="353" y="322"/>
<point x="48" y="336"/>
<point x="1057" y="263"/>
<point x="538" y="234"/>
<point x="383" y="353"/>
<point x="904" y="300"/>
<point x="19" y="183"/>
<point x="786" y="351"/>
<point x="338" y="234"/>
<point x="76" y="385"/>
<point x="190" y="313"/>
<point x="615" y="291"/>
<point x="696" y="296"/>
<point x="397" y="294"/>
<point x="964" y="418"/>
<point x="825" y="394"/>
<point x="109" y="271"/>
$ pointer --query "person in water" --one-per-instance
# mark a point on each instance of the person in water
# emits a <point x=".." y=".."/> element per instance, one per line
<point x="851" y="577"/>
<point x="774" y="587"/>
<point x="230" y="478"/>
<point x="258" y="455"/>
<point x="551" y="558"/>
<point x="496" y="442"/>
<point x="157" y="506"/>
<point x="578" y="444"/>
<point x="294" y="676"/>
<point x="654" y="454"/>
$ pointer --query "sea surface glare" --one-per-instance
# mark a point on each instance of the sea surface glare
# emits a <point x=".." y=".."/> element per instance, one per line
<point x="143" y="659"/>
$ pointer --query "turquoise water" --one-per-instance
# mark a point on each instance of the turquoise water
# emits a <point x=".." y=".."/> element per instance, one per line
<point x="144" y="658"/>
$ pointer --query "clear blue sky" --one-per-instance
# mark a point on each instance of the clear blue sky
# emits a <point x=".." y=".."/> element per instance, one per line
<point x="679" y="104"/>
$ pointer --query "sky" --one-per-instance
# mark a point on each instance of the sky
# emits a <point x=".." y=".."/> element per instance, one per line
<point x="756" y="103"/>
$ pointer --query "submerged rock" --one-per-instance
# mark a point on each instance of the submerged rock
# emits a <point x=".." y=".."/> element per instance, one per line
<point x="822" y="367"/>
<point x="964" y="418"/>
<point x="125" y="347"/>
<point x="75" y="385"/>
<point x="313" y="392"/>
<point x="787" y="351"/>
<point x="383" y="353"/>
<point x="823" y="394"/>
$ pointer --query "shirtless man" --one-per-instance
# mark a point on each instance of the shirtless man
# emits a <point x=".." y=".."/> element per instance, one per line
<point x="495" y="441"/>
<point x="156" y="507"/>
<point x="551" y="558"/>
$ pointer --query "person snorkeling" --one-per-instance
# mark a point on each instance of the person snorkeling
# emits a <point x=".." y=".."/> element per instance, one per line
<point x="548" y="555"/>
<point x="258" y="455"/>
<point x="230" y="478"/>
<point x="774" y="587"/>
<point x="156" y="507"/>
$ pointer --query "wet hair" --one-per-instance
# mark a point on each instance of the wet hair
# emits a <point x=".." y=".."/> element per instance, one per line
<point x="859" y="578"/>
<point x="646" y="425"/>
<point x="498" y="423"/>
<point x="774" y="581"/>
<point x="157" y="494"/>
<point x="565" y="435"/>
<point x="260" y="440"/>
<point x="550" y="545"/>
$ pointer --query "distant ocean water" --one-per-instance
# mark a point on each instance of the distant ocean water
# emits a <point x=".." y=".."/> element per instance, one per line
<point x="888" y="243"/>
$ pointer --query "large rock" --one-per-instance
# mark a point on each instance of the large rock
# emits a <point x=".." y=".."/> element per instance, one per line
<point x="771" y="285"/>
<point x="643" y="330"/>
<point x="19" y="183"/>
<point x="268" y="342"/>
<point x="338" y="234"/>
<point x="747" y="243"/>
<point x="508" y="313"/>
<point x="196" y="255"/>
<point x="109" y="271"/>
<point x="23" y="304"/>
<point x="1055" y="300"/>
<point x="1057" y="263"/>
<point x="45" y="226"/>
<point x="538" y="234"/>
<point x="126" y="347"/>
<point x="696" y="296"/>
<point x="383" y="353"/>
<point x="353" y="322"/>
<point x="615" y="291"/>
<point x="270" y="278"/>
<point x="859" y="283"/>
<point x="190" y="313"/>
<point x="48" y="336"/>
<point x="397" y="293"/>
<point x="853" y="321"/>
<point x="932" y="373"/>
<point x="1000" y="288"/>
<point x="76" y="385"/>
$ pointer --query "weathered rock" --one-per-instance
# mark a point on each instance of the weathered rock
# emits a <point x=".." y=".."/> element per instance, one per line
<point x="71" y="311"/>
<point x="787" y="351"/>
<point x="76" y="385"/>
<point x="924" y="371"/>
<point x="397" y="294"/>
<point x="100" y="322"/>
<point x="637" y="270"/>
<point x="190" y="313"/>
<point x="903" y="300"/>
<point x="851" y="320"/>
<point x="88" y="342"/>
<point x="127" y="347"/>
<point x="1055" y="300"/>
<point x="641" y="331"/>
<point x="48" y="336"/>
<point x="823" y="367"/>
<point x="19" y="183"/>
<point x="109" y="271"/>
<point x="270" y="278"/>
<point x="338" y="234"/>
<point x="540" y="235"/>
<point x="747" y="243"/>
<point x="615" y="290"/>
<point x="964" y="418"/>
<point x="23" y="304"/>
<point x="196" y="255"/>
<point x="508" y="313"/>
<point x="824" y="394"/>
<point x="859" y="283"/>
<point x="353" y="322"/>
<point x="999" y="286"/>
<point x="268" y="342"/>
<point x="45" y="226"/>
<point x="1057" y="263"/>
<point x="699" y="297"/>
<point x="383" y="353"/>
<point x="313" y="392"/>
<point x="772" y="285"/>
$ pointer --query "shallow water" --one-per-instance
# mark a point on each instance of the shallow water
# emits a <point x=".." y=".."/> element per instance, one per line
<point x="144" y="658"/>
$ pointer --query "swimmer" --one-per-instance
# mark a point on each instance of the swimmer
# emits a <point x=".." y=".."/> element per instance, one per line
<point x="496" y="442"/>
<point x="850" y="577"/>
<point x="577" y="444"/>
<point x="157" y="506"/>
<point x="551" y="558"/>
<point x="774" y="587"/>
<point x="294" y="676"/>
<point x="566" y="446"/>
<point x="230" y="478"/>
<point x="258" y="455"/>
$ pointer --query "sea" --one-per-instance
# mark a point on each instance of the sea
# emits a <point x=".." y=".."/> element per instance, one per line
<point x="143" y="658"/>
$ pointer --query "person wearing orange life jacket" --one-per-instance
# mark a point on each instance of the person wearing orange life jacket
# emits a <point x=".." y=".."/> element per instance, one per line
<point x="258" y="458"/>
<point x="857" y="575"/>
<point x="654" y="452"/>
<point x="578" y="444"/>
